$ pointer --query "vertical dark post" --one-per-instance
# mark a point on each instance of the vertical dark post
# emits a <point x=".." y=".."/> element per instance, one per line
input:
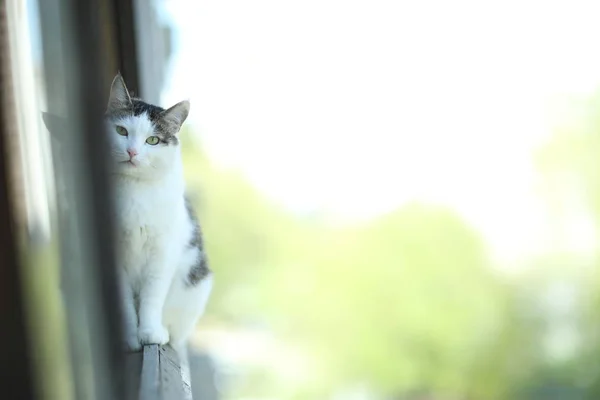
<point x="78" y="41"/>
<point x="125" y="33"/>
<point x="89" y="51"/>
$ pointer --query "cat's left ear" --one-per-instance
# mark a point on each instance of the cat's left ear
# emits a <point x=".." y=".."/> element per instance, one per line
<point x="56" y="125"/>
<point x="177" y="114"/>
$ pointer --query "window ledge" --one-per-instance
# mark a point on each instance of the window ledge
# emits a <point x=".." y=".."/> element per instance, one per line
<point x="160" y="374"/>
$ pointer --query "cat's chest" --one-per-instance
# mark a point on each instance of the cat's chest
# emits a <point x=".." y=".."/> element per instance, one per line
<point x="142" y="225"/>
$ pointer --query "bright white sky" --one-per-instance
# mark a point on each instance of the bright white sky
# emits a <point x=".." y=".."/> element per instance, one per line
<point x="356" y="107"/>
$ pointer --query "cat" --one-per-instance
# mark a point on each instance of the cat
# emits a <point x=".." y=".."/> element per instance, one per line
<point x="165" y="280"/>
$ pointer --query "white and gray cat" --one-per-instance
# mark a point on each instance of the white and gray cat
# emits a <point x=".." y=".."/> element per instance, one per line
<point x="164" y="278"/>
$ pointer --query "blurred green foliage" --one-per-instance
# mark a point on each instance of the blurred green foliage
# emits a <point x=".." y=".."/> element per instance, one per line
<point x="407" y="305"/>
<point x="571" y="167"/>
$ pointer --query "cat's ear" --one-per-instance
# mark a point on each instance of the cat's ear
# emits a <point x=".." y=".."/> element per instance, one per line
<point x="56" y="125"/>
<point x="119" y="95"/>
<point x="176" y="115"/>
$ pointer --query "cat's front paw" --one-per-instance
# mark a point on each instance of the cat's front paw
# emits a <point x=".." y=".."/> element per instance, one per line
<point x="131" y="342"/>
<point x="153" y="335"/>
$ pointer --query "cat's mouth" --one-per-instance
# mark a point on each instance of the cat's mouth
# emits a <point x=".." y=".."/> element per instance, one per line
<point x="129" y="162"/>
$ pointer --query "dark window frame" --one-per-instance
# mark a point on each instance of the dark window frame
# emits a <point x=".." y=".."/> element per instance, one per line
<point x="16" y="369"/>
<point x="84" y="43"/>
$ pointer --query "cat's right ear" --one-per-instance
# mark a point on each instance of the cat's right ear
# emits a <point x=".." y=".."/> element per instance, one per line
<point x="119" y="95"/>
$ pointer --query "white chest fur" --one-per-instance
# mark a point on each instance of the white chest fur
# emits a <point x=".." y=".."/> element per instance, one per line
<point x="149" y="220"/>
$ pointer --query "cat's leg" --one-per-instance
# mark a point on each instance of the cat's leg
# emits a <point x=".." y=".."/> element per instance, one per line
<point x="131" y="339"/>
<point x="184" y="306"/>
<point x="153" y="292"/>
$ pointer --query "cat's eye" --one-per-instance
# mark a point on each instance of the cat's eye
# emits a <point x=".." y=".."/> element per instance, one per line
<point x="121" y="131"/>
<point x="153" y="140"/>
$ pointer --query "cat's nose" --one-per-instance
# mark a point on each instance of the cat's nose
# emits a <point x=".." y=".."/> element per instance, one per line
<point x="132" y="153"/>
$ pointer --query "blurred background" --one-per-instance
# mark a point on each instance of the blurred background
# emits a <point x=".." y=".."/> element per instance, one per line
<point x="400" y="200"/>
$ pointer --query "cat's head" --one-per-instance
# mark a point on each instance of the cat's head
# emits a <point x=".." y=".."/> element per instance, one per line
<point x="143" y="138"/>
